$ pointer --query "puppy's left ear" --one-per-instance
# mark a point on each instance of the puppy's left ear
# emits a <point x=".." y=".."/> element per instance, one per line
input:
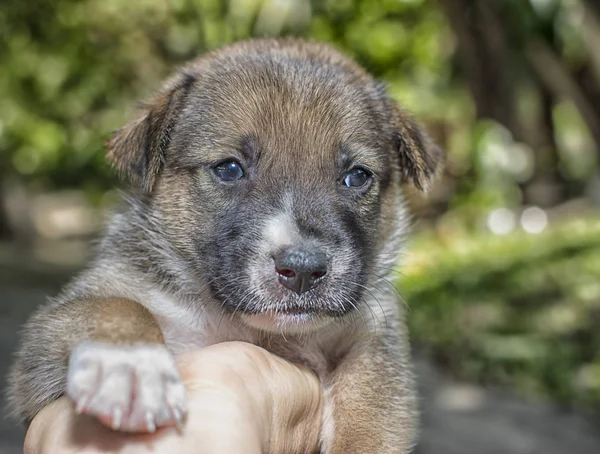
<point x="419" y="158"/>
<point x="138" y="149"/>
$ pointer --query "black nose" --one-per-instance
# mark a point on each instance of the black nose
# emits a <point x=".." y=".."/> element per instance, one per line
<point x="300" y="268"/>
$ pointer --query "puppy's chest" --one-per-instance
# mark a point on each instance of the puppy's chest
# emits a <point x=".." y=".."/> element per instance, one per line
<point x="188" y="327"/>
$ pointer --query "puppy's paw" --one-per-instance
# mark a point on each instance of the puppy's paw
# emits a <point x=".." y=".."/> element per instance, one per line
<point x="133" y="389"/>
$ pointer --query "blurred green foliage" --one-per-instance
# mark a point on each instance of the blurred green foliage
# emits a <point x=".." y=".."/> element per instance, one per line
<point x="72" y="71"/>
<point x="522" y="310"/>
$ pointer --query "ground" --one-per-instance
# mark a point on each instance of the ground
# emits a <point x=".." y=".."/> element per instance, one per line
<point x="456" y="418"/>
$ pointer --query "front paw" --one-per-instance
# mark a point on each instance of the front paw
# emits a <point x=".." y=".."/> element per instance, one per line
<point x="133" y="388"/>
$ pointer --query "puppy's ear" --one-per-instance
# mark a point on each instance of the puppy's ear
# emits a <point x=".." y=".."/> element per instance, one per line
<point x="137" y="150"/>
<point x="419" y="157"/>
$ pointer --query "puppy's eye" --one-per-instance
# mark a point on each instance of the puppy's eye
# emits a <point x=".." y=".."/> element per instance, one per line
<point x="229" y="170"/>
<point x="357" y="177"/>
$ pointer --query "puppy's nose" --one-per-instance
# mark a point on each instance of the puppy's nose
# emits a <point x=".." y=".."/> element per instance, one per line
<point x="300" y="268"/>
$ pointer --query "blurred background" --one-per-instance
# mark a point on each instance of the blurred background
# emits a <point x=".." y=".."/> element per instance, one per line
<point x="503" y="274"/>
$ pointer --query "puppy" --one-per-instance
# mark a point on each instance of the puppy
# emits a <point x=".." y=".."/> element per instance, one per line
<point x="266" y="207"/>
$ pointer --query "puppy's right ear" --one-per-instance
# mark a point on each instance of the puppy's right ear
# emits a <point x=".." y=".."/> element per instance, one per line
<point x="138" y="149"/>
<point x="418" y="156"/>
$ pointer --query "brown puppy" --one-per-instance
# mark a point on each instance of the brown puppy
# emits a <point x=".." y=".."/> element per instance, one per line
<point x="268" y="208"/>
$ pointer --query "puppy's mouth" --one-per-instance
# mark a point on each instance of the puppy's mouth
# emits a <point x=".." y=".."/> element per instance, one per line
<point x="299" y="311"/>
<point x="290" y="321"/>
<point x="285" y="308"/>
<point x="282" y="311"/>
<point x="270" y="307"/>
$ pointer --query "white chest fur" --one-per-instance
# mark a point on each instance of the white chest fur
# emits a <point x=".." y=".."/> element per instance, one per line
<point x="190" y="325"/>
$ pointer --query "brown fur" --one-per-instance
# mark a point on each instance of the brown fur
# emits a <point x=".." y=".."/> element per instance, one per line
<point x="121" y="321"/>
<point x="297" y="115"/>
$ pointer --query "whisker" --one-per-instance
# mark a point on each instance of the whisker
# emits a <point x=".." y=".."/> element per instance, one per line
<point x="395" y="289"/>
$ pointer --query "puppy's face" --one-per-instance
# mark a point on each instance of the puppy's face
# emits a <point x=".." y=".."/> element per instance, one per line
<point x="273" y="170"/>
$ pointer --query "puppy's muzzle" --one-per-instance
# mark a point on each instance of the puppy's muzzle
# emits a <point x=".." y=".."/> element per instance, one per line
<point x="300" y="268"/>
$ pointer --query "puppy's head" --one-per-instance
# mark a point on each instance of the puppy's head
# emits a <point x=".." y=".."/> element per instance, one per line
<point x="272" y="170"/>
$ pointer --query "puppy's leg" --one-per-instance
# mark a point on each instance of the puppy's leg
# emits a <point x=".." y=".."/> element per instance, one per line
<point x="370" y="404"/>
<point x="108" y="355"/>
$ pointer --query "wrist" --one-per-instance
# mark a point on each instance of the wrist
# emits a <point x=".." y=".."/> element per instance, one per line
<point x="225" y="420"/>
<point x="296" y="402"/>
<point x="282" y="400"/>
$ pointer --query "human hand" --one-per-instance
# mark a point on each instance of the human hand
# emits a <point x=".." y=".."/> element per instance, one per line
<point x="241" y="398"/>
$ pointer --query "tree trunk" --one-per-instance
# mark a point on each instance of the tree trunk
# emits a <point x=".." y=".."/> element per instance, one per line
<point x="5" y="230"/>
<point x="593" y="5"/>
<point x="561" y="81"/>
<point x="481" y="49"/>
